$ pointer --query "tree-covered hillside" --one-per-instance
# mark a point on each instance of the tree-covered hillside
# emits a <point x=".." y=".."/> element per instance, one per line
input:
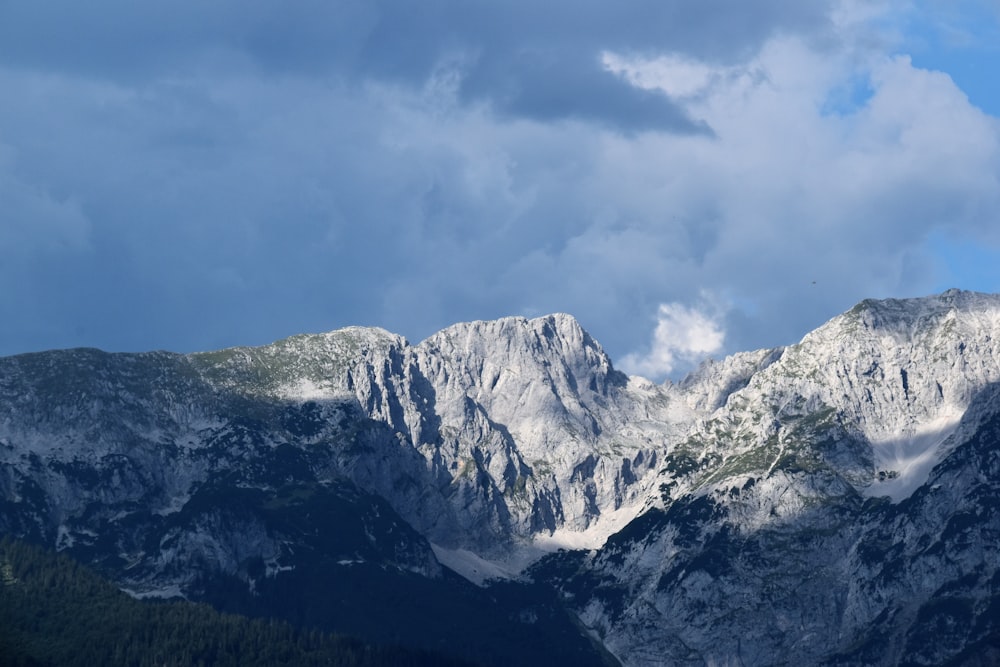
<point x="54" y="611"/>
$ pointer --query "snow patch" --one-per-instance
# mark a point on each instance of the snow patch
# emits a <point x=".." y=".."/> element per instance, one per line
<point x="481" y="570"/>
<point x="473" y="567"/>
<point x="273" y="569"/>
<point x="906" y="462"/>
<point x="594" y="536"/>
<point x="64" y="539"/>
<point x="164" y="593"/>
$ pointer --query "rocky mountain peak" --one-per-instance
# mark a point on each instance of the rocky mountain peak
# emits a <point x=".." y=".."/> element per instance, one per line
<point x="911" y="318"/>
<point x="516" y="367"/>
<point x="772" y="476"/>
<point x="708" y="387"/>
<point x="898" y="375"/>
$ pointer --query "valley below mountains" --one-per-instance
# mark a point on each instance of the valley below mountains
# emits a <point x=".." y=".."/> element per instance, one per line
<point x="502" y="494"/>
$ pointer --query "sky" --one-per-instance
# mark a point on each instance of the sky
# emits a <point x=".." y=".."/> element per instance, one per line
<point x="688" y="179"/>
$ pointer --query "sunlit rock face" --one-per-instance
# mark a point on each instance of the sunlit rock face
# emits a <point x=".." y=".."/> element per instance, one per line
<point x="838" y="506"/>
<point x="833" y="500"/>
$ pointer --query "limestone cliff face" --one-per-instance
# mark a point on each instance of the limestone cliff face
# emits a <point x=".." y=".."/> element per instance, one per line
<point x="523" y="426"/>
<point x="890" y="379"/>
<point x="833" y="500"/>
<point x="483" y="436"/>
<point x="536" y="408"/>
<point x="835" y="507"/>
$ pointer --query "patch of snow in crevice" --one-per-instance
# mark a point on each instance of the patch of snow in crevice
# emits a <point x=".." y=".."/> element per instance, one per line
<point x="473" y="567"/>
<point x="594" y="536"/>
<point x="911" y="456"/>
<point x="164" y="593"/>
<point x="777" y="458"/>
<point x="480" y="570"/>
<point x="273" y="569"/>
<point x="64" y="539"/>
<point x="595" y="622"/>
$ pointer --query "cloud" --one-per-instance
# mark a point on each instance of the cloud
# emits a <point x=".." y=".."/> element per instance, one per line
<point x="676" y="76"/>
<point x="521" y="59"/>
<point x="806" y="206"/>
<point x="574" y="87"/>
<point x="683" y="336"/>
<point x="36" y="224"/>
<point x="253" y="174"/>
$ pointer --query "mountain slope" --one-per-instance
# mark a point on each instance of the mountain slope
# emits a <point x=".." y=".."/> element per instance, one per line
<point x="825" y="501"/>
<point x="54" y="612"/>
<point x="838" y="507"/>
<point x="239" y="478"/>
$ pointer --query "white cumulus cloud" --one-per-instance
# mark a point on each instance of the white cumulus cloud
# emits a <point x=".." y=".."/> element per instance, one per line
<point x="683" y="336"/>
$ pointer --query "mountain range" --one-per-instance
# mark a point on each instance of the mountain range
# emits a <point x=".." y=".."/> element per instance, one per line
<point x="501" y="493"/>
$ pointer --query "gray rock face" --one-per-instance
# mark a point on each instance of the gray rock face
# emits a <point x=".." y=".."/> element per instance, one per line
<point x="534" y="408"/>
<point x="839" y="507"/>
<point x="482" y="437"/>
<point x="832" y="500"/>
<point x="523" y="426"/>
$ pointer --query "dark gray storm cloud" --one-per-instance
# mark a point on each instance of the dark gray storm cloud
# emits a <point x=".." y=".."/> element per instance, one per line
<point x="191" y="175"/>
<point x="536" y="60"/>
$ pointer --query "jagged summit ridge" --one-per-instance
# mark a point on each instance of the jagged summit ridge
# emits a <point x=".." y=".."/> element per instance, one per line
<point x="522" y="425"/>
<point x="772" y="476"/>
<point x="779" y="496"/>
<point x="889" y="381"/>
<point x="526" y="374"/>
